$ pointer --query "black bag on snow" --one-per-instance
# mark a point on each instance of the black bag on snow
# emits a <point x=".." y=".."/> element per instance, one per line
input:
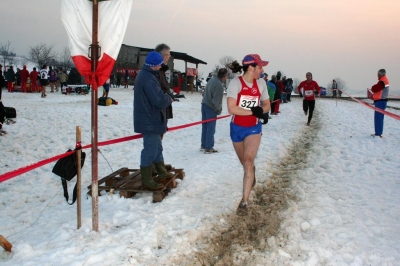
<point x="10" y="112"/>
<point x="66" y="169"/>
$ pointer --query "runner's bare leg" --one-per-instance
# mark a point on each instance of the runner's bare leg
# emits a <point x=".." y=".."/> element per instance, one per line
<point x="246" y="152"/>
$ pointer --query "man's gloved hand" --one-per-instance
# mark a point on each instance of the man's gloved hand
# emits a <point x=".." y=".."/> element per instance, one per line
<point x="265" y="118"/>
<point x="164" y="67"/>
<point x="170" y="94"/>
<point x="257" y="111"/>
<point x="301" y="94"/>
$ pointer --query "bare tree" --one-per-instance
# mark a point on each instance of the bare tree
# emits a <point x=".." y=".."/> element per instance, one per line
<point x="7" y="53"/>
<point x="42" y="54"/>
<point x="65" y="58"/>
<point x="226" y="60"/>
<point x="214" y="71"/>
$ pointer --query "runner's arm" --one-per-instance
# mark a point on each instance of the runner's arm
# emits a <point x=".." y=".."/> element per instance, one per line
<point x="233" y="109"/>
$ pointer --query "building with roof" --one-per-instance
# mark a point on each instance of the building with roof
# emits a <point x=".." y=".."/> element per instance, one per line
<point x="132" y="58"/>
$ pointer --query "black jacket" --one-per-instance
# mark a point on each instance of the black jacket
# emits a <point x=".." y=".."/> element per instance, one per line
<point x="165" y="88"/>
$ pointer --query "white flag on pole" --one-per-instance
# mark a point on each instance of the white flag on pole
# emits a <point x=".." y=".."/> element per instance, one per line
<point x="113" y="18"/>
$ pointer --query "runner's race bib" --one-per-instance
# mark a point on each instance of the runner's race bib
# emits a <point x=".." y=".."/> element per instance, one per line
<point x="247" y="101"/>
<point x="309" y="93"/>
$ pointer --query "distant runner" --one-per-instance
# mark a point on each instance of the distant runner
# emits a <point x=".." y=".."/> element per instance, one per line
<point x="307" y="89"/>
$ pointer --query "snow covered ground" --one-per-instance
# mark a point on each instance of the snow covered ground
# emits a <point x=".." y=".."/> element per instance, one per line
<point x="340" y="188"/>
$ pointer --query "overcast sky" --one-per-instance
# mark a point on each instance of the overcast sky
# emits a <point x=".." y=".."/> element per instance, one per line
<point x="350" y="39"/>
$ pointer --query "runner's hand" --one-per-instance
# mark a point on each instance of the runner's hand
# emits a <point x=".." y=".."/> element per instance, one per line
<point x="265" y="118"/>
<point x="257" y="111"/>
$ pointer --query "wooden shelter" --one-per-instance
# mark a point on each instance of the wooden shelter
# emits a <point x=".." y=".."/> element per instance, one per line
<point x="132" y="58"/>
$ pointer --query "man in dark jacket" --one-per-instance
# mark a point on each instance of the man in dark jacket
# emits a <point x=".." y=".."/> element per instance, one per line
<point x="126" y="79"/>
<point x="149" y="118"/>
<point x="10" y="77"/>
<point x="165" y="52"/>
<point x="119" y="77"/>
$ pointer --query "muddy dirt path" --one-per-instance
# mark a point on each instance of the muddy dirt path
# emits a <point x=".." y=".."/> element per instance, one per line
<point x="240" y="239"/>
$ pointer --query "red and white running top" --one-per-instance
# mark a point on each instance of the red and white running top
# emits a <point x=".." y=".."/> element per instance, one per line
<point x="247" y="96"/>
<point x="308" y="88"/>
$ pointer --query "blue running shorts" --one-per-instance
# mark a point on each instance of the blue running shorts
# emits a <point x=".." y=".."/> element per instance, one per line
<point x="239" y="133"/>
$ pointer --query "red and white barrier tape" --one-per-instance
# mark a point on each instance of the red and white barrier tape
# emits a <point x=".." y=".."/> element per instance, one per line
<point x="22" y="170"/>
<point x="392" y="115"/>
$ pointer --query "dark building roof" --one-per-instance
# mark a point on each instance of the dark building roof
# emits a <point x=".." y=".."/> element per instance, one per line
<point x="176" y="55"/>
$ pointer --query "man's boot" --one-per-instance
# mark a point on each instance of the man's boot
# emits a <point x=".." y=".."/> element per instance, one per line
<point x="162" y="172"/>
<point x="147" y="181"/>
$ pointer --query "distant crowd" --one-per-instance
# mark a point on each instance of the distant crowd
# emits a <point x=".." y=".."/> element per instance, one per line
<point x="22" y="80"/>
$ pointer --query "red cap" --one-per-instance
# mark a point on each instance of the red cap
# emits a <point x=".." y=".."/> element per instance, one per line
<point x="254" y="59"/>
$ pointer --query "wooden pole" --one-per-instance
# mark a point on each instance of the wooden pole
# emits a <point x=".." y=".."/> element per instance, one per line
<point x="95" y="58"/>
<point x="78" y="183"/>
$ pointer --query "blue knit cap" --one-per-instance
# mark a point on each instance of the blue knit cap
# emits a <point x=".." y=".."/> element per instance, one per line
<point x="154" y="59"/>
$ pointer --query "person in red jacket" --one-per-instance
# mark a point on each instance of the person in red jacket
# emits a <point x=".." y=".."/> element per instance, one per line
<point x="379" y="93"/>
<point x="307" y="90"/>
<point x="33" y="76"/>
<point x="24" y="75"/>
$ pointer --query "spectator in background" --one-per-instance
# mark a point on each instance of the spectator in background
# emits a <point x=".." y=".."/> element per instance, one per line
<point x="277" y="96"/>
<point x="379" y="93"/>
<point x="271" y="91"/>
<point x="211" y="106"/>
<point x="24" y="75"/>
<point x="165" y="52"/>
<point x="34" y="77"/>
<point x="44" y="80"/>
<point x="119" y="77"/>
<point x="52" y="78"/>
<point x="307" y="89"/>
<point x="57" y="83"/>
<point x="106" y="88"/>
<point x="10" y="77"/>
<point x="112" y="81"/>
<point x="149" y="118"/>
<point x="126" y="79"/>
<point x="63" y="79"/>
<point x="288" y="90"/>
<point x="175" y="83"/>
<point x="18" y="77"/>
<point x="278" y="93"/>
<point x="209" y="76"/>
<point x="334" y="89"/>
<point x="2" y="113"/>
<point x="283" y="96"/>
